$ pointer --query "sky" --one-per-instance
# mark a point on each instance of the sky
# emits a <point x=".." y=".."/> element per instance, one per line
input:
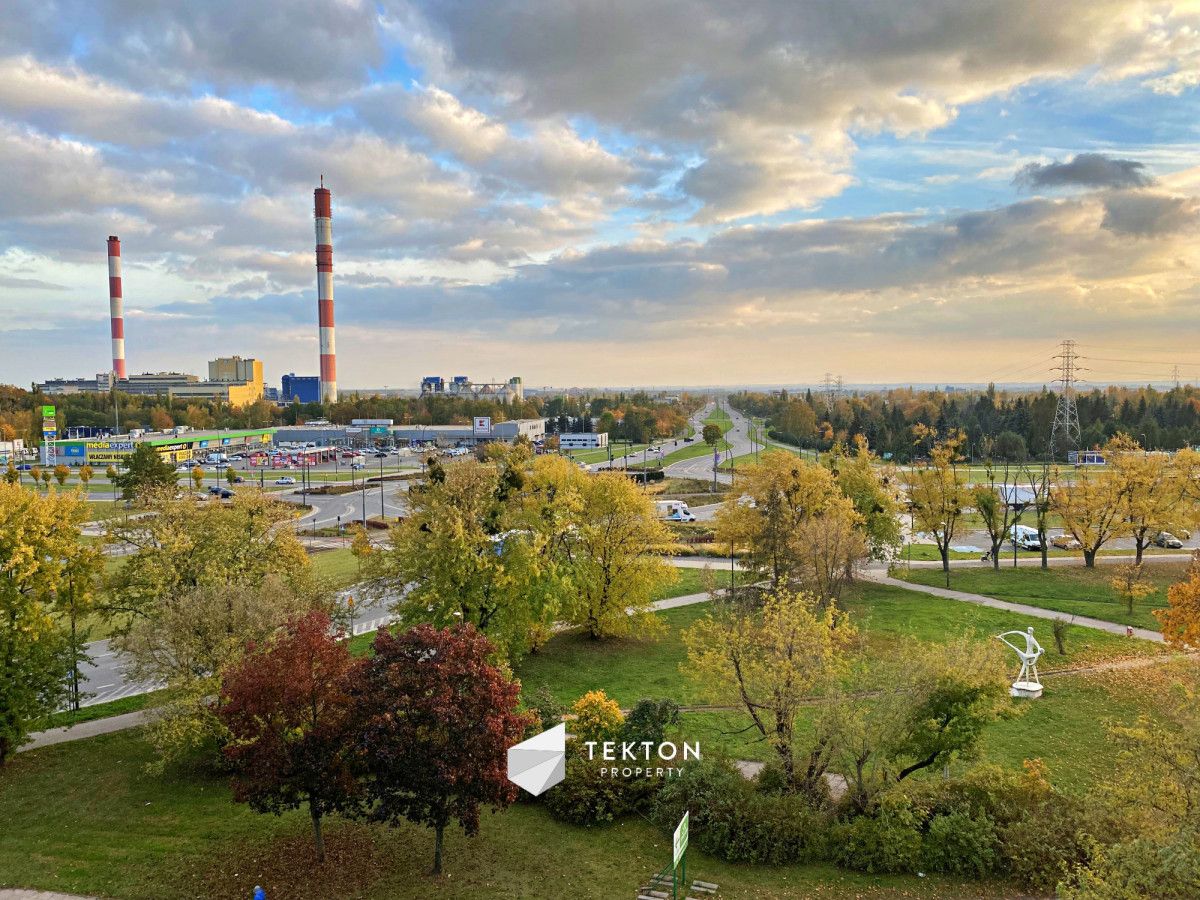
<point x="605" y="193"/>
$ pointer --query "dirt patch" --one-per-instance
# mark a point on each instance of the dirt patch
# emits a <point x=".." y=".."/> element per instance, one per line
<point x="355" y="857"/>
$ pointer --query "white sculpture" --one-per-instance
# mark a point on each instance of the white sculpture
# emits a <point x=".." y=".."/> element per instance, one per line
<point x="1028" y="684"/>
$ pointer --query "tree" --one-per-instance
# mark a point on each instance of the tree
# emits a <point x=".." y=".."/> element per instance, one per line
<point x="711" y="434"/>
<point x="938" y="496"/>
<point x="146" y="470"/>
<point x="231" y="476"/>
<point x="769" y="660"/>
<point x="873" y="489"/>
<point x="1092" y="510"/>
<point x="197" y="476"/>
<point x="597" y="718"/>
<point x="61" y="474"/>
<point x="1180" y="620"/>
<point x="111" y="474"/>
<point x="160" y="419"/>
<point x="12" y="475"/>
<point x="74" y="598"/>
<point x="1130" y="584"/>
<point x="1150" y="491"/>
<point x="35" y="472"/>
<point x="39" y="552"/>
<point x="86" y="473"/>
<point x="911" y="710"/>
<point x="1038" y="480"/>
<point x="998" y="507"/>
<point x="473" y="549"/>
<point x="288" y="710"/>
<point x="436" y="720"/>
<point x="615" y="553"/>
<point x="784" y="492"/>
<point x="47" y="477"/>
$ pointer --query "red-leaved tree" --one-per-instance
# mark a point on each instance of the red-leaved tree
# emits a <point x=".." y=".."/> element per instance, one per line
<point x="288" y="707"/>
<point x="436" y="723"/>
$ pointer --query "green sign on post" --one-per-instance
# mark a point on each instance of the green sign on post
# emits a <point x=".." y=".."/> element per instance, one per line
<point x="47" y="412"/>
<point x="681" y="839"/>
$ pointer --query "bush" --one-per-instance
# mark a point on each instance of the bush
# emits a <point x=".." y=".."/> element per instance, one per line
<point x="649" y="721"/>
<point x="597" y="718"/>
<point x="1140" y="868"/>
<point x="587" y="797"/>
<point x="549" y="711"/>
<point x="959" y="843"/>
<point x="888" y="841"/>
<point x="731" y="820"/>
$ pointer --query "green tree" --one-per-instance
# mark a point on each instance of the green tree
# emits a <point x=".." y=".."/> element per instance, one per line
<point x="12" y="475"/>
<point x="616" y="559"/>
<point x="47" y="477"/>
<point x="146" y="470"/>
<point x="711" y="434"/>
<point x="874" y="489"/>
<point x="40" y="553"/>
<point x="231" y="476"/>
<point x="768" y="660"/>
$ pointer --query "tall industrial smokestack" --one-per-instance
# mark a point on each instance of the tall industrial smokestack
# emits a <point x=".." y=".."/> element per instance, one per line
<point x="116" y="308"/>
<point x="322" y="210"/>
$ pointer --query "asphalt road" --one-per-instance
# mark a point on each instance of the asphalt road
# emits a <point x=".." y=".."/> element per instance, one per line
<point x="701" y="467"/>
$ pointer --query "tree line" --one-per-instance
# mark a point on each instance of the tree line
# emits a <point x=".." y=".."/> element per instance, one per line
<point x="1005" y="425"/>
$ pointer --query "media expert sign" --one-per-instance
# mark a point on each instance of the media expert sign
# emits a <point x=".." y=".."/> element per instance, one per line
<point x="680" y="841"/>
<point x="482" y="425"/>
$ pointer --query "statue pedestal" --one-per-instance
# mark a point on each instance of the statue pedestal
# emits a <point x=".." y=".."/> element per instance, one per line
<point x="1030" y="690"/>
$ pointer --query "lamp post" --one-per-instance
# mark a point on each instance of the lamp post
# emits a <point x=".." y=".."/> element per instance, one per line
<point x="382" y="514"/>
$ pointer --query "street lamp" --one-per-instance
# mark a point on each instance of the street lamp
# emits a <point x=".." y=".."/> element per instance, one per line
<point x="382" y="514"/>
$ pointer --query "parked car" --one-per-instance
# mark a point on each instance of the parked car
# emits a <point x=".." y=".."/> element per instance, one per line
<point x="286" y="479"/>
<point x="356" y="466"/>
<point x="226" y="493"/>
<point x="239" y="480"/>
<point x="380" y="454"/>
<point x="1065" y="542"/>
<point x="24" y="467"/>
<point x="1167" y="540"/>
<point x="214" y="489"/>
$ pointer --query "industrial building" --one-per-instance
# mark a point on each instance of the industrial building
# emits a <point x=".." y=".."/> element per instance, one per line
<point x="305" y="388"/>
<point x="178" y="445"/>
<point x="587" y="440"/>
<point x="510" y="391"/>
<point x="232" y="380"/>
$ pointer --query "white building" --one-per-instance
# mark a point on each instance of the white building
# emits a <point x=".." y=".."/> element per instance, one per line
<point x="596" y="440"/>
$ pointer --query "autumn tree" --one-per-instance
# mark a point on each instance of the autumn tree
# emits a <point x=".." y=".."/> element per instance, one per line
<point x="35" y="472"/>
<point x="197" y="476"/>
<point x="768" y="659"/>
<point x="288" y="711"/>
<point x="1180" y="619"/>
<point x="938" y="497"/>
<point x="146" y="471"/>
<point x="47" y="477"/>
<point x="435" y="721"/>
<point x="61" y="474"/>
<point x="1093" y="510"/>
<point x="1148" y="487"/>
<point x="779" y="495"/>
<point x="12" y="475"/>
<point x="39" y="555"/>
<point x="1130" y="584"/>
<point x="160" y="419"/>
<point x="86" y="473"/>
<point x="874" y="489"/>
<point x="597" y="717"/>
<point x="997" y="504"/>
<point x="1037" y="481"/>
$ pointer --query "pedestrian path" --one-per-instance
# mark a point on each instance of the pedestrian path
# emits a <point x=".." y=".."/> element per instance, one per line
<point x="85" y="730"/>
<point x="881" y="577"/>
<point x="20" y="894"/>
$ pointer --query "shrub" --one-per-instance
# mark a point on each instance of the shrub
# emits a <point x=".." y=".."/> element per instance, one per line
<point x="649" y="721"/>
<point x="587" y="797"/>
<point x="887" y="841"/>
<point x="959" y="843"/>
<point x="1140" y="868"/>
<point x="549" y="711"/>
<point x="731" y="820"/>
<point x="597" y="718"/>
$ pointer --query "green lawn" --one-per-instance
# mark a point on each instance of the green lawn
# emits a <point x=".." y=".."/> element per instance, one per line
<point x="1071" y="590"/>
<point x="720" y="417"/>
<point x="693" y="450"/>
<point x="602" y="455"/>
<point x="85" y="817"/>
<point x="340" y="566"/>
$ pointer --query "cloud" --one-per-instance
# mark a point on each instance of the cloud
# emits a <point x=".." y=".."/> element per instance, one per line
<point x="1088" y="170"/>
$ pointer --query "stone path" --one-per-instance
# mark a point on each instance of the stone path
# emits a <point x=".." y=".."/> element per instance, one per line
<point x="881" y="577"/>
<point x="19" y="894"/>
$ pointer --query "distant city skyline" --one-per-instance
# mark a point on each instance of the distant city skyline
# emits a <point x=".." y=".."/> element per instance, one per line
<point x="684" y="193"/>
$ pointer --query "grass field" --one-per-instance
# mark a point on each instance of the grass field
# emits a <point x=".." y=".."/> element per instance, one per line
<point x="1071" y="590"/>
<point x="720" y="417"/>
<point x="85" y="816"/>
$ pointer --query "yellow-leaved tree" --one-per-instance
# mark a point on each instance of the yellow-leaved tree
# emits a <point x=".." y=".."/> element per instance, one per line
<point x="40" y="558"/>
<point x="938" y="496"/>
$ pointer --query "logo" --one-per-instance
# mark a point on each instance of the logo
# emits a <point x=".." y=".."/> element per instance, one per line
<point x="539" y="763"/>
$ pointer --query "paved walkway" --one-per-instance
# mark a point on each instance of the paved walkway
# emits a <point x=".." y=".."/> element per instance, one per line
<point x="85" y="730"/>
<point x="20" y="894"/>
<point x="881" y="577"/>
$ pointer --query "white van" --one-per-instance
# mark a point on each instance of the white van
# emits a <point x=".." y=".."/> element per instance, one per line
<point x="674" y="511"/>
<point x="1025" y="538"/>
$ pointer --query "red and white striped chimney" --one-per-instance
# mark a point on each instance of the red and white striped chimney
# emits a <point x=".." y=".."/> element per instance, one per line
<point x="322" y="210"/>
<point x="116" y="308"/>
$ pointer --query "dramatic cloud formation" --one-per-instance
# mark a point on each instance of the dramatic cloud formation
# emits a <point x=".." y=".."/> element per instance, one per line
<point x="683" y="191"/>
